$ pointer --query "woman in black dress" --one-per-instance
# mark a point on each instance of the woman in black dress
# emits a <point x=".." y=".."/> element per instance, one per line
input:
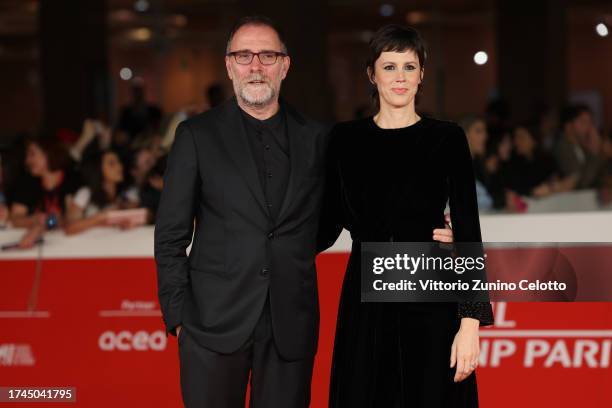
<point x="389" y="178"/>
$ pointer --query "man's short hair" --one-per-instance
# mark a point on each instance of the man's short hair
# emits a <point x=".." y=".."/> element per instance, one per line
<point x="570" y="113"/>
<point x="257" y="21"/>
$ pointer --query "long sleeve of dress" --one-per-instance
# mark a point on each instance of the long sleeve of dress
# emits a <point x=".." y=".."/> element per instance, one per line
<point x="464" y="212"/>
<point x="331" y="218"/>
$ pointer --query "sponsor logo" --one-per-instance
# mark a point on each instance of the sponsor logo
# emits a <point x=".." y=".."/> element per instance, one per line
<point x="127" y="341"/>
<point x="12" y="354"/>
<point x="505" y="343"/>
<point x="133" y="305"/>
<point x="133" y="308"/>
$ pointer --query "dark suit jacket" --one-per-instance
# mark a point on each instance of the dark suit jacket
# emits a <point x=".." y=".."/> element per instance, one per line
<point x="588" y="170"/>
<point x="239" y="252"/>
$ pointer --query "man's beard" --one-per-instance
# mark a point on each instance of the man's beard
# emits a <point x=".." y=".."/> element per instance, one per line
<point x="255" y="95"/>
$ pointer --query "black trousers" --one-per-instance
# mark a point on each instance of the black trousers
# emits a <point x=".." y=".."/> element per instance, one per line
<point x="214" y="380"/>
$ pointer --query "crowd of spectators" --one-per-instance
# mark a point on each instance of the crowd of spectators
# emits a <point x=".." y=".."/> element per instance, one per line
<point x="538" y="159"/>
<point x="75" y="182"/>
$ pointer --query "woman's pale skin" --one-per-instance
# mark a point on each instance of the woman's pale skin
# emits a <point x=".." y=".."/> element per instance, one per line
<point x="397" y="76"/>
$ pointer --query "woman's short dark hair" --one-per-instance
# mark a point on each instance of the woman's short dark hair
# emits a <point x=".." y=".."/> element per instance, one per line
<point x="398" y="38"/>
<point x="257" y="21"/>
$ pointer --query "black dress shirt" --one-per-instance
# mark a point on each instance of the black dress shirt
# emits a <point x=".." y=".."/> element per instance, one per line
<point x="270" y="147"/>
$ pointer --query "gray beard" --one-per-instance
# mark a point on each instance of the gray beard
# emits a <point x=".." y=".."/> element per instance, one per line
<point x="254" y="101"/>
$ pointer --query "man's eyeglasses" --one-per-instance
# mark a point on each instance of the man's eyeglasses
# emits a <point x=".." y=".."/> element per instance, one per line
<point x="265" y="57"/>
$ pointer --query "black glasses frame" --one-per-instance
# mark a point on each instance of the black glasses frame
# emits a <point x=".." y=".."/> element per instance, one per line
<point x="253" y="54"/>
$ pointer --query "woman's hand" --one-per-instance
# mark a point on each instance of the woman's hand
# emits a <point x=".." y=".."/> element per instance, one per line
<point x="105" y="137"/>
<point x="444" y="234"/>
<point x="543" y="190"/>
<point x="465" y="349"/>
<point x="125" y="224"/>
<point x="32" y="235"/>
<point x="101" y="218"/>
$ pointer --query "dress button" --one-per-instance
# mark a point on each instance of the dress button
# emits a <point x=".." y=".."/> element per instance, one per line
<point x="267" y="147"/>
<point x="270" y="235"/>
<point x="269" y="174"/>
<point x="264" y="272"/>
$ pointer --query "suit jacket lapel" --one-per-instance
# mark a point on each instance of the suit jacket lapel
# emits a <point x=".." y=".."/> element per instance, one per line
<point x="238" y="148"/>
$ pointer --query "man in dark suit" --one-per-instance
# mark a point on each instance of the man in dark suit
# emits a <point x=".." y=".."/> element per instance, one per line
<point x="248" y="177"/>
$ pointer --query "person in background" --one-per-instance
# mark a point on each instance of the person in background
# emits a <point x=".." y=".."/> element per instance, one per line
<point x="143" y="161"/>
<point x="548" y="130"/>
<point x="42" y="196"/>
<point x="531" y="170"/>
<point x="4" y="213"/>
<point x="485" y="168"/>
<point x="214" y="95"/>
<point x="605" y="195"/>
<point x="578" y="151"/>
<point x="606" y="151"/>
<point x="150" y="192"/>
<point x="13" y="169"/>
<point x="484" y="199"/>
<point x="500" y="148"/>
<point x="121" y="143"/>
<point x="151" y="141"/>
<point x="95" y="137"/>
<point x="496" y="118"/>
<point x="499" y="151"/>
<point x="139" y="116"/>
<point x="105" y="191"/>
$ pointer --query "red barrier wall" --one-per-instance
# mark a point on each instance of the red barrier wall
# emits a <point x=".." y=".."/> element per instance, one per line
<point x="96" y="326"/>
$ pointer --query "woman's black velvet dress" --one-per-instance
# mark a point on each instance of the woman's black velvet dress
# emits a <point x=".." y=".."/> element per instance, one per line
<point x="393" y="185"/>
